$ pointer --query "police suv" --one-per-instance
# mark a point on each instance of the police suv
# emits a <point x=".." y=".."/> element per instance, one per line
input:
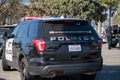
<point x="50" y="47"/>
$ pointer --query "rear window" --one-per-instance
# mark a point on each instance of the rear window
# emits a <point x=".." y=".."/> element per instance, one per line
<point x="71" y="29"/>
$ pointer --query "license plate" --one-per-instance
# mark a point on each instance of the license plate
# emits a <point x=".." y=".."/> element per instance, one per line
<point x="73" y="48"/>
<point x="113" y="39"/>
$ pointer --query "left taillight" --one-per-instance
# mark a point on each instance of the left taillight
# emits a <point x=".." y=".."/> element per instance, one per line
<point x="99" y="42"/>
<point x="39" y="44"/>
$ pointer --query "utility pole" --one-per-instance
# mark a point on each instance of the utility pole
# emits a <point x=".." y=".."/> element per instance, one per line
<point x="109" y="15"/>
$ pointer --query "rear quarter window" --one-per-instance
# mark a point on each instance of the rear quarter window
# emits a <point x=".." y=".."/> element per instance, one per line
<point x="15" y="31"/>
<point x="23" y="30"/>
<point x="33" y="29"/>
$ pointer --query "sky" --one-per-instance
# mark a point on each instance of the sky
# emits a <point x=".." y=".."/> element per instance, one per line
<point x="26" y="2"/>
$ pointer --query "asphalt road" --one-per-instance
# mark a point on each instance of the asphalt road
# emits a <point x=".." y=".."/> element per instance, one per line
<point x="110" y="71"/>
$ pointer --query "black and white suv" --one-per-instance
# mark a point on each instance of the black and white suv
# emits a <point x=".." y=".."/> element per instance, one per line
<point x="53" y="47"/>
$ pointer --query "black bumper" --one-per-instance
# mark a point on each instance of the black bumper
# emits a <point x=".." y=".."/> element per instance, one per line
<point x="65" y="69"/>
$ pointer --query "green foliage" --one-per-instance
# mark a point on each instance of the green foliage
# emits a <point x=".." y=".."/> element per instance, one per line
<point x="108" y="2"/>
<point x="11" y="9"/>
<point x="117" y="16"/>
<point x="111" y="4"/>
<point x="70" y="8"/>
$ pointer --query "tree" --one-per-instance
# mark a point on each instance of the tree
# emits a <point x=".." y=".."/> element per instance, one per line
<point x="117" y="16"/>
<point x="86" y="9"/>
<point x="1" y="13"/>
<point x="112" y="6"/>
<point x="11" y="10"/>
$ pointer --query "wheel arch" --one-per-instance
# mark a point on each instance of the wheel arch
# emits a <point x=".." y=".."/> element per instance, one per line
<point x="1" y="53"/>
<point x="20" y="57"/>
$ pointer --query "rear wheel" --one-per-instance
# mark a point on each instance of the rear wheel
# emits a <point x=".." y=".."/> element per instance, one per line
<point x="24" y="71"/>
<point x="88" y="76"/>
<point x="1" y="51"/>
<point x="114" y="44"/>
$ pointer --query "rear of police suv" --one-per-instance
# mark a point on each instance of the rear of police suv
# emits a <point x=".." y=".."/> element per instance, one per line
<point x="66" y="47"/>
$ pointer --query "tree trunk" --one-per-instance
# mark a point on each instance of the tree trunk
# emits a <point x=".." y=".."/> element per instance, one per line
<point x="109" y="15"/>
<point x="99" y="27"/>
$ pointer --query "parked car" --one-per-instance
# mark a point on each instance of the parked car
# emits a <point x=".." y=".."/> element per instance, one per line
<point x="1" y="42"/>
<point x="114" y="36"/>
<point x="5" y="30"/>
<point x="50" y="47"/>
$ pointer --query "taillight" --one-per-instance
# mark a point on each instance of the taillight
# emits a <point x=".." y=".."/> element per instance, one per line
<point x="99" y="43"/>
<point x="39" y="44"/>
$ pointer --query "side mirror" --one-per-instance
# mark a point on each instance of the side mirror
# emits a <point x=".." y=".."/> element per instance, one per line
<point x="5" y="35"/>
<point x="11" y="36"/>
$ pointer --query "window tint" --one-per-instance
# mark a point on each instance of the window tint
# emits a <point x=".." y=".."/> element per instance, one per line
<point x="15" y="31"/>
<point x="33" y="30"/>
<point x="71" y="29"/>
<point x="23" y="31"/>
<point x="68" y="29"/>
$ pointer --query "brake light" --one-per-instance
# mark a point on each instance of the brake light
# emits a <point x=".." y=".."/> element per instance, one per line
<point x="69" y="21"/>
<point x="31" y="17"/>
<point x="39" y="44"/>
<point x="99" y="43"/>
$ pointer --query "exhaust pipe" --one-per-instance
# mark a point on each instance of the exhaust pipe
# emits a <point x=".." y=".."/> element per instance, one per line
<point x="54" y="73"/>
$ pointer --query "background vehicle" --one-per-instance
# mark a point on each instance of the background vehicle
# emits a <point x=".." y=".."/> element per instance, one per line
<point x="114" y="36"/>
<point x="1" y="43"/>
<point x="7" y="29"/>
<point x="53" y="47"/>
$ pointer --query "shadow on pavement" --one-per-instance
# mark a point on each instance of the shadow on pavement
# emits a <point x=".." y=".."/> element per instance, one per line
<point x="65" y="78"/>
<point x="109" y="72"/>
<point x="2" y="79"/>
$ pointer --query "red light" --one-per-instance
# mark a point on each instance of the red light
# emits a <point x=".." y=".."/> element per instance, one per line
<point x="99" y="43"/>
<point x="69" y="21"/>
<point x="31" y="17"/>
<point x="39" y="44"/>
<point x="56" y="71"/>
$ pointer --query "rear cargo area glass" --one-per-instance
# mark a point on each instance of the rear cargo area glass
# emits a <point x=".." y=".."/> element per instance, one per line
<point x="71" y="29"/>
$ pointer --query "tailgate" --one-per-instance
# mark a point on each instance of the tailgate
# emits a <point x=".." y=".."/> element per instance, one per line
<point x="69" y="39"/>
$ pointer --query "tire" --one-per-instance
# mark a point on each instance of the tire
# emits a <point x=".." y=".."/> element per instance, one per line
<point x="88" y="76"/>
<point x="1" y="51"/>
<point x="114" y="45"/>
<point x="5" y="66"/>
<point x="24" y="71"/>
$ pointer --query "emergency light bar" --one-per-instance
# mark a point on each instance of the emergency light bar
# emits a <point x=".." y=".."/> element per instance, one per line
<point x="31" y="17"/>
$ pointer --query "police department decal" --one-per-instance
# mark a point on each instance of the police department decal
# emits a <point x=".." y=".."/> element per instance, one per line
<point x="8" y="50"/>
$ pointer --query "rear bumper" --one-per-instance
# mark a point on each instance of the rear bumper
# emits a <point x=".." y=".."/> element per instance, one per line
<point x="65" y="69"/>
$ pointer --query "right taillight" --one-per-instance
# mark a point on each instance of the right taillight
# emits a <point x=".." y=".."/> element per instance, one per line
<point x="99" y="43"/>
<point x="39" y="44"/>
